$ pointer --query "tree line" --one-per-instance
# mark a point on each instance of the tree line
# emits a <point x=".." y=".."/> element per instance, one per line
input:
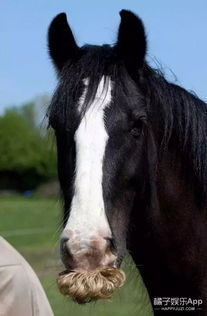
<point x="27" y="151"/>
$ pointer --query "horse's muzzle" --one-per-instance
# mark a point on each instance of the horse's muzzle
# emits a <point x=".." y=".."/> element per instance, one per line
<point x="86" y="254"/>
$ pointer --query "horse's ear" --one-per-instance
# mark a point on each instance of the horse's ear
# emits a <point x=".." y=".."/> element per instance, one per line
<point x="131" y="43"/>
<point x="61" y="42"/>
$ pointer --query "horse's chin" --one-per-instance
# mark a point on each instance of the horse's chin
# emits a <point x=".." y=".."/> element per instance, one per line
<point x="84" y="286"/>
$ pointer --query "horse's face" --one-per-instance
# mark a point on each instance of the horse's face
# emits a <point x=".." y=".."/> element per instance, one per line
<point x="99" y="117"/>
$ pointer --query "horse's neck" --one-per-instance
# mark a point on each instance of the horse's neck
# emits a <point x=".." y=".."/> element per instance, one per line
<point x="170" y="235"/>
<point x="176" y="190"/>
<point x="182" y="221"/>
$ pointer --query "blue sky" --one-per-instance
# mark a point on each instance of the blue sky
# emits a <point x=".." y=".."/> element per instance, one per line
<point x="176" y="34"/>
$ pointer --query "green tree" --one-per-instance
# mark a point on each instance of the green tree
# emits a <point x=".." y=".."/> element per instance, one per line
<point x="23" y="150"/>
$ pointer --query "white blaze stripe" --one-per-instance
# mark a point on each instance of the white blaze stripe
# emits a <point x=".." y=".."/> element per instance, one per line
<point x="87" y="215"/>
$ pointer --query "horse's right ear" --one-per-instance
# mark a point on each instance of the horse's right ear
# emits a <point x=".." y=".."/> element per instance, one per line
<point x="61" y="43"/>
<point x="131" y="43"/>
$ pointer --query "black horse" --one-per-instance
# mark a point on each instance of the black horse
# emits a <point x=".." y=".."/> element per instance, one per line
<point x="132" y="164"/>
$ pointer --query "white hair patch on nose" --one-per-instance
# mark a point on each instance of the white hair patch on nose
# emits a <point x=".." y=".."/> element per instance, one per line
<point x="87" y="215"/>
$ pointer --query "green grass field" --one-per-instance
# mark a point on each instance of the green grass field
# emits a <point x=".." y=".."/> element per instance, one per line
<point x="32" y="227"/>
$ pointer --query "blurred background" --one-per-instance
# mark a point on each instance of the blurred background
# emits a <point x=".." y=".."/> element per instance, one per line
<point x="30" y="210"/>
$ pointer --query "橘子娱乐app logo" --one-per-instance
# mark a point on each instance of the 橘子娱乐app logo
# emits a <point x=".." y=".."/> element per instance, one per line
<point x="177" y="304"/>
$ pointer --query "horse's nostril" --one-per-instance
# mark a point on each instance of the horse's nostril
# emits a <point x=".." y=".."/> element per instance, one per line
<point x="111" y="243"/>
<point x="64" y="239"/>
<point x="64" y="246"/>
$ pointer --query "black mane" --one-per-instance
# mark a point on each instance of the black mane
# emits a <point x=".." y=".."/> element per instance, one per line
<point x="183" y="117"/>
<point x="95" y="62"/>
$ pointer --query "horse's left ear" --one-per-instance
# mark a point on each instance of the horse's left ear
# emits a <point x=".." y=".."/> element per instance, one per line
<point x="131" y="43"/>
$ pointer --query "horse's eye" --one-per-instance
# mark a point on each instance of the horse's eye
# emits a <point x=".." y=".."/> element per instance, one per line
<point x="136" y="128"/>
